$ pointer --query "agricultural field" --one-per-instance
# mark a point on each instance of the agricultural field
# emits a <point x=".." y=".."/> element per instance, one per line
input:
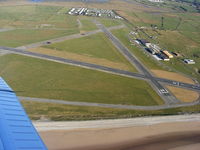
<point x="43" y="79"/>
<point x="58" y="112"/>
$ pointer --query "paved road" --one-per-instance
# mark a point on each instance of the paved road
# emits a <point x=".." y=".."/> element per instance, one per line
<point x="101" y="68"/>
<point x="64" y="38"/>
<point x="163" y="92"/>
<point x="131" y="107"/>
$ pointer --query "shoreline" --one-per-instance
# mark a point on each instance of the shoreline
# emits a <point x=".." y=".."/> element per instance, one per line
<point x="178" y="133"/>
<point x="113" y="123"/>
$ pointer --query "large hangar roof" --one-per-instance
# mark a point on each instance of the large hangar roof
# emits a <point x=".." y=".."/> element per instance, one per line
<point x="16" y="129"/>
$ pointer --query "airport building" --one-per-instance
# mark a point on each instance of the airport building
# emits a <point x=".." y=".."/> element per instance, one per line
<point x="153" y="48"/>
<point x="156" y="1"/>
<point x="189" y="61"/>
<point x="168" y="54"/>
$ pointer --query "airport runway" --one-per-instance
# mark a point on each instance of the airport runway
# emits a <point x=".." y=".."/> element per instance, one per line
<point x="163" y="92"/>
<point x="101" y="68"/>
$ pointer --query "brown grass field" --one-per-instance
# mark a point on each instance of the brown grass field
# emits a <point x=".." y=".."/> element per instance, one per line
<point x="172" y="76"/>
<point x="183" y="94"/>
<point x="78" y="57"/>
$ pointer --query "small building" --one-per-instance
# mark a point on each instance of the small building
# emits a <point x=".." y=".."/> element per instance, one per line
<point x="156" y="1"/>
<point x="168" y="54"/>
<point x="143" y="41"/>
<point x="176" y="54"/>
<point x="163" y="57"/>
<point x="189" y="61"/>
<point x="136" y="41"/>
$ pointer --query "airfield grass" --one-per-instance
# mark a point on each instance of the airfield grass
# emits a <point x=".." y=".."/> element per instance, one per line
<point x="87" y="25"/>
<point x="182" y="44"/>
<point x="20" y="37"/>
<point x="82" y="58"/>
<point x="59" y="112"/>
<point x="97" y="46"/>
<point x="35" y="15"/>
<point x="186" y="47"/>
<point x="180" y="33"/>
<point x="107" y="22"/>
<point x="33" y="23"/>
<point x="33" y="77"/>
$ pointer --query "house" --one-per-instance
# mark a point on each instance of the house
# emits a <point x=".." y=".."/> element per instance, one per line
<point x="189" y="61"/>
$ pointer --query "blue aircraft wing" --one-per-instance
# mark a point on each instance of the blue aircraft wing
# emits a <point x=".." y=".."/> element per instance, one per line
<point x="16" y="129"/>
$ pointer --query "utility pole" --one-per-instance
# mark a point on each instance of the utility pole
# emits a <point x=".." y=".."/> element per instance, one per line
<point x="162" y="23"/>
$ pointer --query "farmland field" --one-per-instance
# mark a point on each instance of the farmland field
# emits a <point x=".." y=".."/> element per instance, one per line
<point x="39" y="78"/>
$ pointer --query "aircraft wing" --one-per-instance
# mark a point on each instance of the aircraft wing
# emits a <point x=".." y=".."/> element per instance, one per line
<point x="16" y="129"/>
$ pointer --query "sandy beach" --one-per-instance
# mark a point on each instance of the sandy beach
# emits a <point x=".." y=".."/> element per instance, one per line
<point x="178" y="135"/>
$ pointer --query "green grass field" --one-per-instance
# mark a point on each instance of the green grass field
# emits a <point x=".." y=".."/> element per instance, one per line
<point x="39" y="78"/>
<point x="109" y="22"/>
<point x="87" y="24"/>
<point x="181" y="34"/>
<point x="97" y="46"/>
<point x="34" y="23"/>
<point x="185" y="44"/>
<point x="58" y="112"/>
<point x="22" y="37"/>
<point x="34" y="15"/>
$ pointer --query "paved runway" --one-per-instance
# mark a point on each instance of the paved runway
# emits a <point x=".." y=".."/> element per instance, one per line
<point x="163" y="92"/>
<point x="64" y="38"/>
<point x="101" y="68"/>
